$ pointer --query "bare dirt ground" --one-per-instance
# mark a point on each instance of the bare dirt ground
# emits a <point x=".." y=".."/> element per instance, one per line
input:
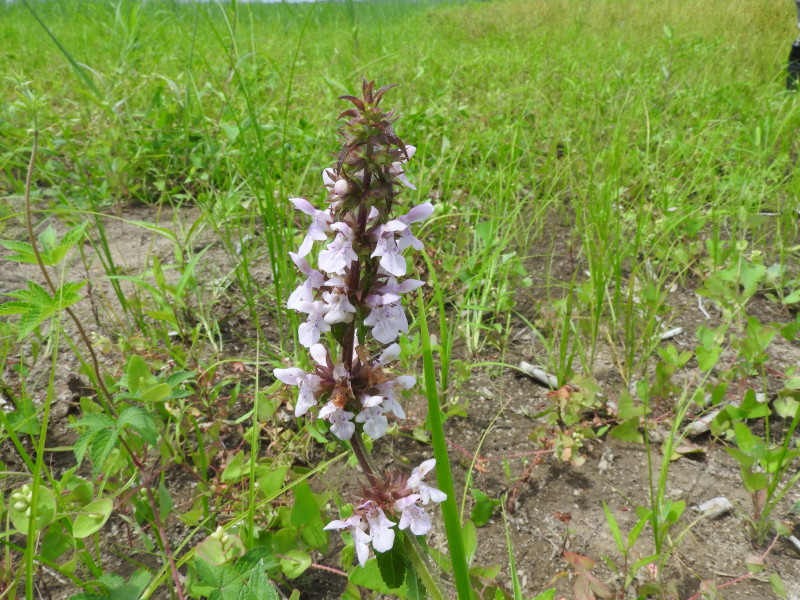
<point x="556" y="507"/>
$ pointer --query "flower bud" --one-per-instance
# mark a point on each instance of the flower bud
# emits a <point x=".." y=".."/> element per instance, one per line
<point x="20" y="506"/>
<point x="341" y="187"/>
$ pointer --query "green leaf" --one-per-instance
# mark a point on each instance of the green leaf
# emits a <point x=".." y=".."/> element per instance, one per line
<point x="546" y="595"/>
<point x="305" y="507"/>
<point x="392" y="565"/>
<point x="615" y="531"/>
<point x="707" y="358"/>
<point x="95" y="422"/>
<point x="141" y="421"/>
<point x="295" y="562"/>
<point x="470" y="536"/>
<point x="44" y="512"/>
<point x="628" y="431"/>
<point x="56" y="542"/>
<point x="259" y="586"/>
<point x="483" y="509"/>
<point x="137" y="372"/>
<point x="24" y="251"/>
<point x="102" y="445"/>
<point x="164" y="501"/>
<point x="234" y="471"/>
<point x="92" y="518"/>
<point x="157" y="393"/>
<point x="776" y="584"/>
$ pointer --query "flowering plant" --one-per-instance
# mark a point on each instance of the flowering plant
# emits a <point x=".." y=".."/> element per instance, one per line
<point x="354" y="296"/>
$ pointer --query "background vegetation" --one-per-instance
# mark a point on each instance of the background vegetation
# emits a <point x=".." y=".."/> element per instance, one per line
<point x="587" y="159"/>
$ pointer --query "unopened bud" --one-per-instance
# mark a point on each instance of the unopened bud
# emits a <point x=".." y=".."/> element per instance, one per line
<point x="20" y="506"/>
<point x="341" y="187"/>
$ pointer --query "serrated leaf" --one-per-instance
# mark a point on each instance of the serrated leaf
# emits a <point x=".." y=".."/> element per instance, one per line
<point x="74" y="235"/>
<point x="392" y="565"/>
<point x="24" y="251"/>
<point x="95" y="422"/>
<point x="101" y="447"/>
<point x="82" y="444"/>
<point x="259" y="585"/>
<point x="13" y="308"/>
<point x="48" y="238"/>
<point x="29" y="320"/>
<point x="93" y="516"/>
<point x="141" y="421"/>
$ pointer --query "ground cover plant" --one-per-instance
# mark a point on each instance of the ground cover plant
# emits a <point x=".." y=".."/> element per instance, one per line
<point x="606" y="340"/>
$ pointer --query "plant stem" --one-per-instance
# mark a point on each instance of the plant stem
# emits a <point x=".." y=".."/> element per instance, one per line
<point x="106" y="400"/>
<point x="432" y="583"/>
<point x="363" y="458"/>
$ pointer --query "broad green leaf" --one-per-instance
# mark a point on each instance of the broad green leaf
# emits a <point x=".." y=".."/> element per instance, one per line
<point x="259" y="586"/>
<point x="44" y="512"/>
<point x="305" y="507"/>
<point x="56" y="542"/>
<point x="92" y="518"/>
<point x="157" y="393"/>
<point x="392" y="565"/>
<point x="483" y="509"/>
<point x="776" y="583"/>
<point x="234" y="471"/>
<point x="707" y="358"/>
<point x="295" y="562"/>
<point x="102" y="444"/>
<point x="137" y="373"/>
<point x="546" y="595"/>
<point x="141" y="421"/>
<point x="95" y="422"/>
<point x="628" y="431"/>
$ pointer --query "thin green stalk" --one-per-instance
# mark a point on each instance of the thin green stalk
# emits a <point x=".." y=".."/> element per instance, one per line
<point x="511" y="564"/>
<point x="452" y="523"/>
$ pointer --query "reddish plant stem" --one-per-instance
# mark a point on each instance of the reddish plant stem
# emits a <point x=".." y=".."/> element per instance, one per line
<point x="165" y="544"/>
<point x="741" y="577"/>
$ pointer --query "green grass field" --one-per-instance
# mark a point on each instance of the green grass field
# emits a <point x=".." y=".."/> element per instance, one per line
<point x="599" y="169"/>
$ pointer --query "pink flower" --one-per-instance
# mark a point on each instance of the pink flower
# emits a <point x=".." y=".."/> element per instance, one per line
<point x="412" y="515"/>
<point x="320" y="226"/>
<point x="340" y="420"/>
<point x="357" y="528"/>
<point x="309" y="383"/>
<point x="387" y="321"/>
<point x="426" y="492"/>
<point x="304" y="293"/>
<point x="339" y="253"/>
<point x="380" y="529"/>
